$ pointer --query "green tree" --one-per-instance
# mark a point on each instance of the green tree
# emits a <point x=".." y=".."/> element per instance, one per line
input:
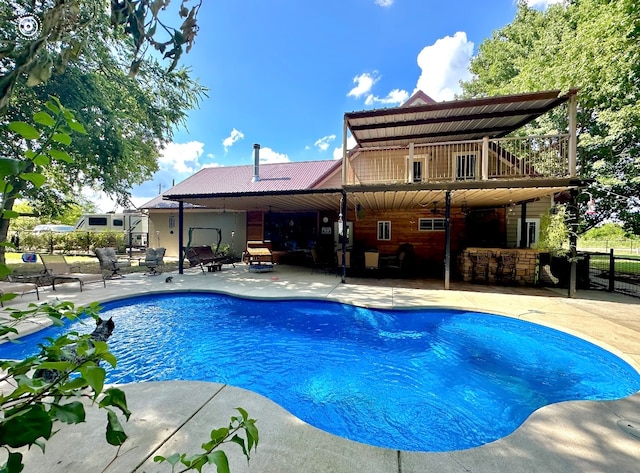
<point x="128" y="117"/>
<point x="594" y="46"/>
<point x="60" y="29"/>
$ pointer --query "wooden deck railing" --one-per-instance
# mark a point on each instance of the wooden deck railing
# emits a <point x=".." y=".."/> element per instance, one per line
<point x="474" y="160"/>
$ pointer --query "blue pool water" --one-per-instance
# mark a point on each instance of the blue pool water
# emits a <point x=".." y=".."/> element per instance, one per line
<point x="422" y="380"/>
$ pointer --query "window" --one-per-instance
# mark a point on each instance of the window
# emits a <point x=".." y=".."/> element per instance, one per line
<point x="98" y="221"/>
<point x="532" y="231"/>
<point x="416" y="168"/>
<point x="384" y="230"/>
<point x="118" y="222"/>
<point x="431" y="224"/>
<point x="417" y="171"/>
<point x="465" y="166"/>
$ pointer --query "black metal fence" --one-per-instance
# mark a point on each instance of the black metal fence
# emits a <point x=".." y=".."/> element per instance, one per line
<point x="613" y="273"/>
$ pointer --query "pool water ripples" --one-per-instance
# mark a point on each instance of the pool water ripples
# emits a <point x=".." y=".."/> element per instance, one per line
<point x="421" y="380"/>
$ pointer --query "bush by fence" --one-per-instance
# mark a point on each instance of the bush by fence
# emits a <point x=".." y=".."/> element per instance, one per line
<point x="71" y="242"/>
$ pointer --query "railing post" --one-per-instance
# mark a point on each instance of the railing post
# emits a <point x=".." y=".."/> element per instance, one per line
<point x="612" y="271"/>
<point x="485" y="158"/>
<point x="410" y="164"/>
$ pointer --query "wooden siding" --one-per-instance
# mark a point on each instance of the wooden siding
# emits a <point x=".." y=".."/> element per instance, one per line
<point x="534" y="210"/>
<point x="428" y="245"/>
<point x="255" y="226"/>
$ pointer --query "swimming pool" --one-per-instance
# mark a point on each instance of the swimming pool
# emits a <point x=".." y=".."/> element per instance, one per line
<point x="421" y="380"/>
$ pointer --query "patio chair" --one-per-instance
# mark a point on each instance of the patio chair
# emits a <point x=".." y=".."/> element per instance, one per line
<point x="109" y="261"/>
<point x="17" y="288"/>
<point x="319" y="264"/>
<point x="58" y="269"/>
<point x="372" y="262"/>
<point x="154" y="260"/>
<point x="203" y="256"/>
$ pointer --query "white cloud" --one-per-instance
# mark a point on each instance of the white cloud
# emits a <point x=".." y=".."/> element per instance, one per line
<point x="337" y="152"/>
<point x="324" y="142"/>
<point x="542" y="4"/>
<point x="269" y="156"/>
<point x="364" y="82"/>
<point x="444" y="64"/>
<point x="232" y="138"/>
<point x="384" y="3"/>
<point x="181" y="157"/>
<point x="395" y="97"/>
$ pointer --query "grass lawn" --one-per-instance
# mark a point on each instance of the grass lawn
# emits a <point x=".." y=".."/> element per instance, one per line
<point x="626" y="265"/>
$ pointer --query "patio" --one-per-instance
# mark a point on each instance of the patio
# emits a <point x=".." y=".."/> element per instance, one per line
<point x="177" y="416"/>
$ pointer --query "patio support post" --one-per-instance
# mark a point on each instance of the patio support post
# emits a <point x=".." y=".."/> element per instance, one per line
<point x="343" y="211"/>
<point x="447" y="240"/>
<point x="485" y="158"/>
<point x="523" y="226"/>
<point x="573" y="243"/>
<point x="180" y="237"/>
<point x="573" y="135"/>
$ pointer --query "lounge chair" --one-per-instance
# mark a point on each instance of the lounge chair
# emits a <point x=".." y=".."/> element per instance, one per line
<point x="109" y="261"/>
<point x="17" y="288"/>
<point x="154" y="260"/>
<point x="58" y="269"/>
<point x="258" y="256"/>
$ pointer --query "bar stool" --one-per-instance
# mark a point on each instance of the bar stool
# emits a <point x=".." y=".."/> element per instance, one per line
<point x="506" y="271"/>
<point x="480" y="268"/>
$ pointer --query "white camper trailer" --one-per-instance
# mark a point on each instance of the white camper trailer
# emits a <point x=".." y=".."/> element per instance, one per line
<point x="135" y="226"/>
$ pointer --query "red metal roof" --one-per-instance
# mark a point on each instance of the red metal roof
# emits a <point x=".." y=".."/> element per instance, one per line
<point x="279" y="177"/>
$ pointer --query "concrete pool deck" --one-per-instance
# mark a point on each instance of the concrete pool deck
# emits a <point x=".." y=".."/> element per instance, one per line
<point x="169" y="417"/>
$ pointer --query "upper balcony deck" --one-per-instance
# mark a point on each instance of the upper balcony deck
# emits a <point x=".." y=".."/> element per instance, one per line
<point x="476" y="141"/>
<point x="511" y="158"/>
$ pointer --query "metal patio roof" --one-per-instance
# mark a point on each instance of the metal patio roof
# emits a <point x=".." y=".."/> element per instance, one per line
<point x="456" y="120"/>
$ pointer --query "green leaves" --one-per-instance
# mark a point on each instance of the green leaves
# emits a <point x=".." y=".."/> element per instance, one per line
<point x="116" y="398"/>
<point x="43" y="118"/>
<point x="14" y="463"/>
<point x="24" y="427"/>
<point x="49" y="386"/>
<point x="95" y="378"/>
<point x="115" y="433"/>
<point x="25" y="130"/>
<point x="211" y="455"/>
<point x="71" y="413"/>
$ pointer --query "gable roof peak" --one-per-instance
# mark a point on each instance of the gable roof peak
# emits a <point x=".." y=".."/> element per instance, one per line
<point x="418" y="98"/>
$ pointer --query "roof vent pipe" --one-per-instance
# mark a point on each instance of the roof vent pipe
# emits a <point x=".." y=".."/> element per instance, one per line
<point x="256" y="163"/>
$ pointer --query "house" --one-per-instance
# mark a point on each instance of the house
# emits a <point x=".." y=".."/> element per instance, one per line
<point x="451" y="179"/>
<point x="278" y="203"/>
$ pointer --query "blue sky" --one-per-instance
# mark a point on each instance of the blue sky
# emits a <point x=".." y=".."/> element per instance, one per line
<point x="282" y="73"/>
